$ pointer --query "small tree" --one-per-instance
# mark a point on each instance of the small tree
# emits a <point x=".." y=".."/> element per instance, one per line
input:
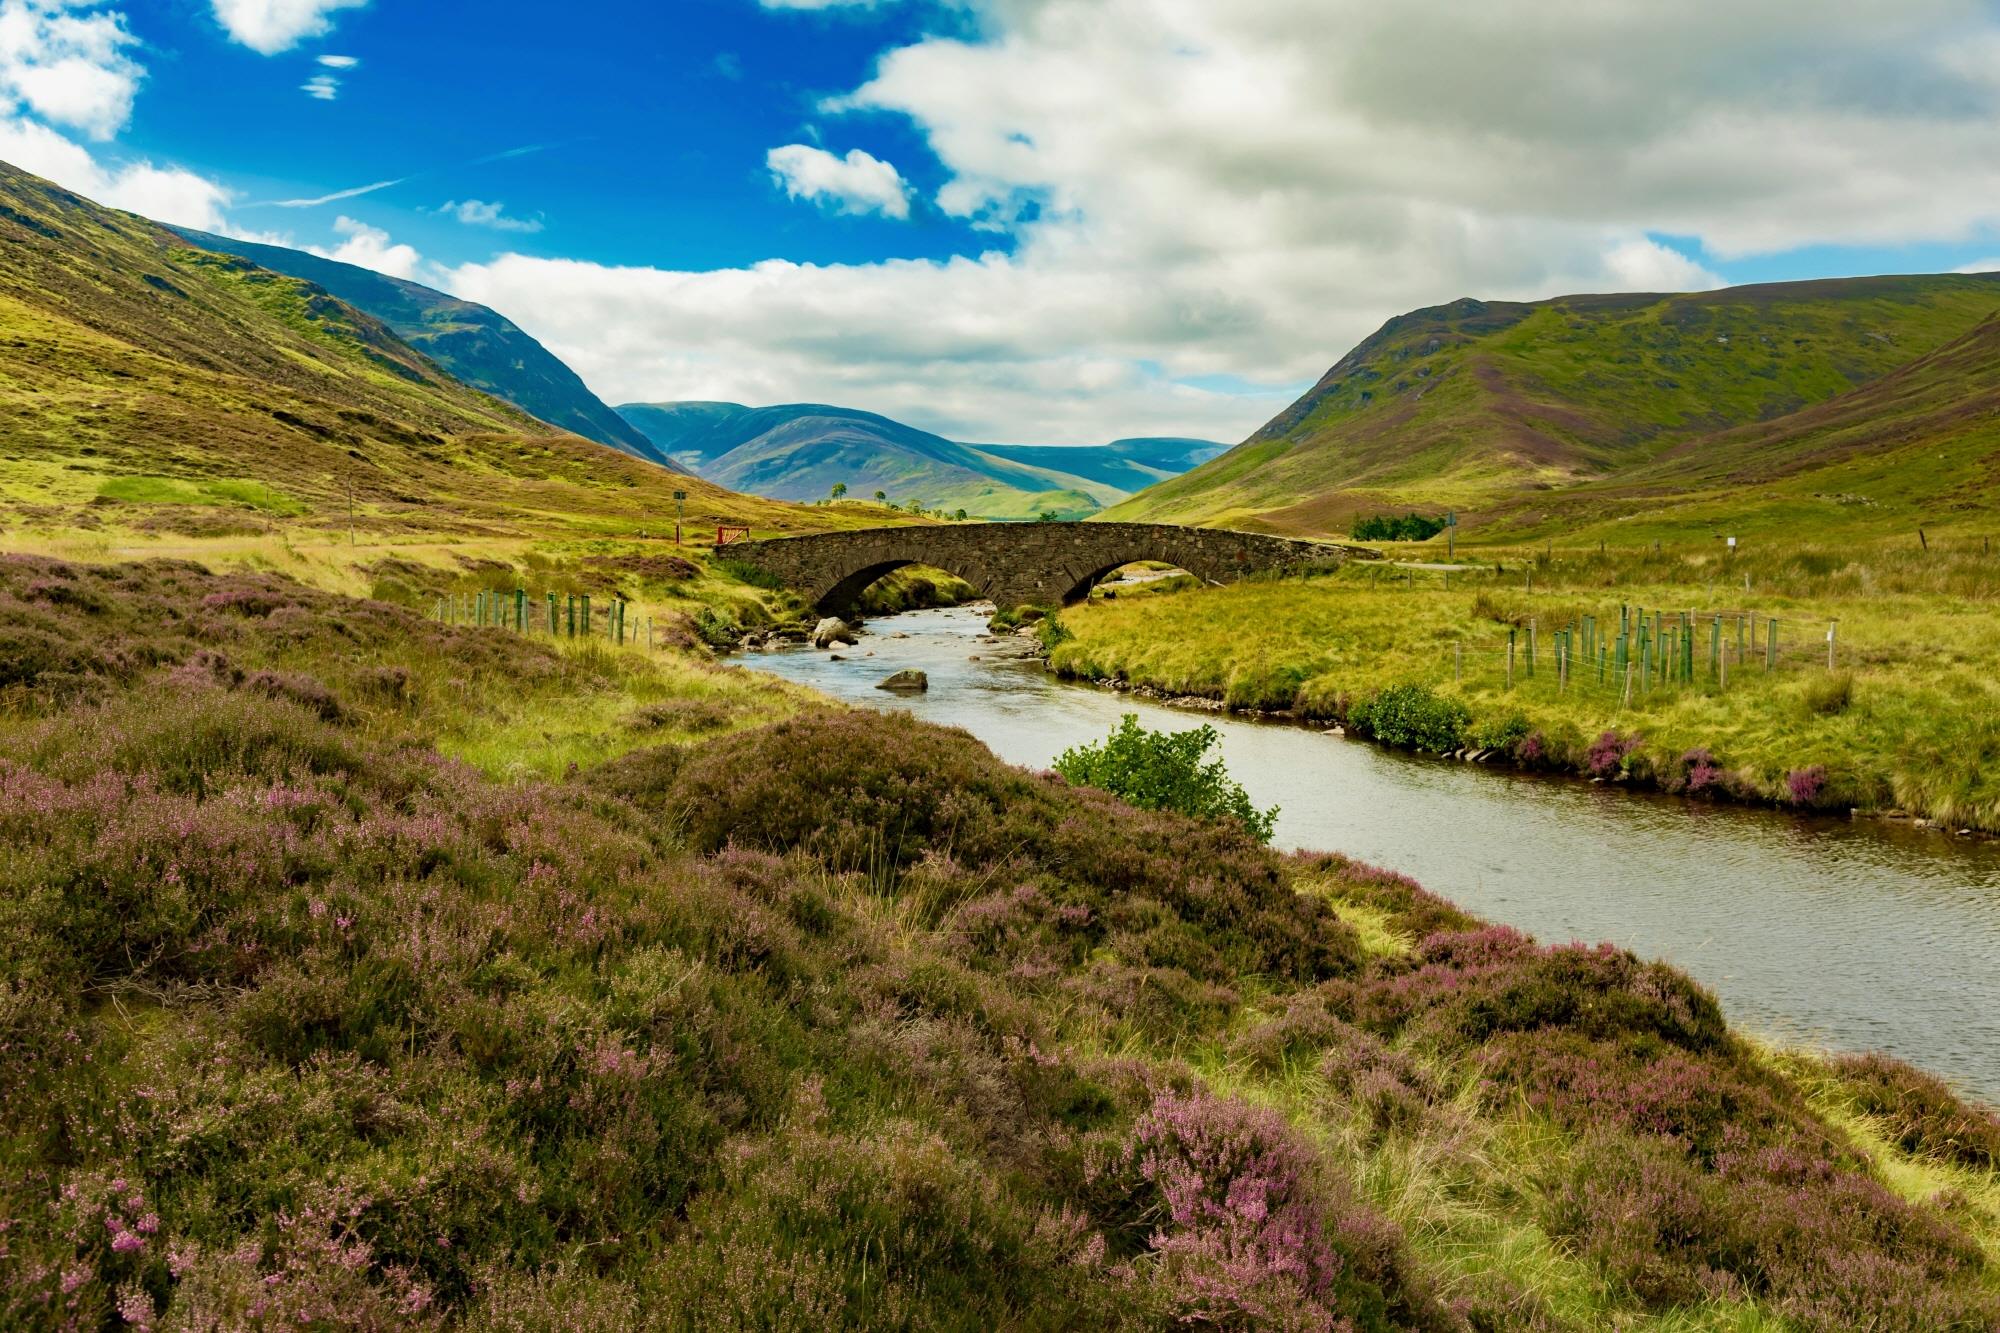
<point x="1161" y="770"/>
<point x="839" y="489"/>
<point x="882" y="496"/>
<point x="960" y="516"/>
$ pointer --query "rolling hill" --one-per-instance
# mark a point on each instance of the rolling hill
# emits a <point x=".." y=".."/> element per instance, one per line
<point x="477" y="345"/>
<point x="799" y="451"/>
<point x="1129" y="465"/>
<point x="1475" y="404"/>
<point x="153" y="391"/>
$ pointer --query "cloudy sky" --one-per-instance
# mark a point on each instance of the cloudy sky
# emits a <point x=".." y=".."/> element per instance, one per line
<point x="1025" y="220"/>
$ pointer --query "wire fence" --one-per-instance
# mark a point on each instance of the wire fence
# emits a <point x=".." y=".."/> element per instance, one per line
<point x="1635" y="653"/>
<point x="557" y="615"/>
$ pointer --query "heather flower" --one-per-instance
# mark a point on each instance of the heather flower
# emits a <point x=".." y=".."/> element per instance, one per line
<point x="1805" y="786"/>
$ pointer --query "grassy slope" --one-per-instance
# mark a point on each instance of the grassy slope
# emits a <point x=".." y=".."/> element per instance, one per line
<point x="306" y="1023"/>
<point x="1919" y="446"/>
<point x="479" y="346"/>
<point x="1469" y="404"/>
<point x="156" y="398"/>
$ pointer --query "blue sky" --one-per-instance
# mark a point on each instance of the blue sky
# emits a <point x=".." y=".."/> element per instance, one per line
<point x="1029" y="220"/>
<point x="651" y="121"/>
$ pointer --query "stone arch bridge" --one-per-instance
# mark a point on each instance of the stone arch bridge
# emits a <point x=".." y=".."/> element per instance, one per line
<point x="1023" y="564"/>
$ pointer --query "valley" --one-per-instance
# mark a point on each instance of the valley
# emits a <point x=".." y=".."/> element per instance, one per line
<point x="368" y="963"/>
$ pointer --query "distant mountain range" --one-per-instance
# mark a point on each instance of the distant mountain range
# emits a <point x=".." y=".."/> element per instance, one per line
<point x="800" y="451"/>
<point x="477" y="345"/>
<point x="1539" y="414"/>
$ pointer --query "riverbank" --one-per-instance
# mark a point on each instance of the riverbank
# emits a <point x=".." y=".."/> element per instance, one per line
<point x="310" y="1021"/>
<point x="1906" y="722"/>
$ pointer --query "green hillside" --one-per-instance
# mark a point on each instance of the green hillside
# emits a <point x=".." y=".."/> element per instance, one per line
<point x="1473" y="403"/>
<point x="1920" y="445"/>
<point x="477" y="345"/>
<point x="800" y="451"/>
<point x="1129" y="465"/>
<point x="155" y="395"/>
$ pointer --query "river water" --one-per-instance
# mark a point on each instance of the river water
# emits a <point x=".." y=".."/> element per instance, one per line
<point x="1853" y="935"/>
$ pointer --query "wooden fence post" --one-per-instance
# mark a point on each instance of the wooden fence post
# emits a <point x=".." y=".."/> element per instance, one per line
<point x="1511" y="632"/>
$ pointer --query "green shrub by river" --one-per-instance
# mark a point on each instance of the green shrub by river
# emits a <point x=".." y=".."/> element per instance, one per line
<point x="362" y="972"/>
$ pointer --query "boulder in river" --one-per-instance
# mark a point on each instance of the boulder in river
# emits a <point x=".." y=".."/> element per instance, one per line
<point x="910" y="681"/>
<point x="830" y="631"/>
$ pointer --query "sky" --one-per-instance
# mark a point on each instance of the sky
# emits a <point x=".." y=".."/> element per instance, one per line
<point x="1030" y="221"/>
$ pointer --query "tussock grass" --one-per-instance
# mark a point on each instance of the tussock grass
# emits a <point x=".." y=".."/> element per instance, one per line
<point x="1910" y="719"/>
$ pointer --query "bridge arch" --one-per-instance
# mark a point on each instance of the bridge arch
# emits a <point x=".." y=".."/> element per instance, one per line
<point x="1022" y="564"/>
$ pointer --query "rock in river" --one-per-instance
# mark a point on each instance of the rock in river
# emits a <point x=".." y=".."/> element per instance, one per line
<point x="911" y="681"/>
<point x="830" y="631"/>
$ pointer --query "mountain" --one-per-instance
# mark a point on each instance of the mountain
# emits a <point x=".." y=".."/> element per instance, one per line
<point x="690" y="433"/>
<point x="150" y="387"/>
<point x="1918" y="445"/>
<point x="477" y="345"/>
<point x="1474" y="404"/>
<point x="1129" y="465"/>
<point x="800" y="451"/>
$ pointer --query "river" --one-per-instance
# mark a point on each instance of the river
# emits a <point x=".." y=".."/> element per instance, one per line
<point x="1852" y="935"/>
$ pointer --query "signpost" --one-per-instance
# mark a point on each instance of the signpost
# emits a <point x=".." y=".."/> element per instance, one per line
<point x="1451" y="534"/>
<point x="679" y="498"/>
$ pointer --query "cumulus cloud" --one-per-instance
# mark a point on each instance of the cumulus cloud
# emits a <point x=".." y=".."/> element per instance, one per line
<point x="858" y="183"/>
<point x="166" y="194"/>
<point x="271" y="26"/>
<point x="479" y="213"/>
<point x="67" y="64"/>
<point x="1196" y="193"/>
<point x="370" y="247"/>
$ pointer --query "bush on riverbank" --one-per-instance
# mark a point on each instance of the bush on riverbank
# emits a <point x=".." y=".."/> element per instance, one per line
<point x="1158" y="770"/>
<point x="832" y="1020"/>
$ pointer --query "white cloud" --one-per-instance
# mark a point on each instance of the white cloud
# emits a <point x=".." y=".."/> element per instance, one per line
<point x="165" y="194"/>
<point x="1195" y="191"/>
<point x="858" y="183"/>
<point x="479" y="213"/>
<point x="65" y="62"/>
<point x="1645" y="265"/>
<point x="353" y="192"/>
<point x="321" y="87"/>
<point x="340" y="62"/>
<point x="370" y="247"/>
<point x="271" y="26"/>
<point x="1991" y="265"/>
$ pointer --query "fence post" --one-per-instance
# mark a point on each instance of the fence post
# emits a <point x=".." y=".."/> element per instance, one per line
<point x="521" y="610"/>
<point x="1511" y="632"/>
<point x="1715" y="648"/>
<point x="1832" y="627"/>
<point x="586" y="615"/>
<point x="1771" y="649"/>
<point x="1531" y="649"/>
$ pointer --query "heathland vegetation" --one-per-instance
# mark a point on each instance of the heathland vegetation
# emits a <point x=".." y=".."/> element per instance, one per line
<point x="330" y="1000"/>
<point x="1907" y="718"/>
